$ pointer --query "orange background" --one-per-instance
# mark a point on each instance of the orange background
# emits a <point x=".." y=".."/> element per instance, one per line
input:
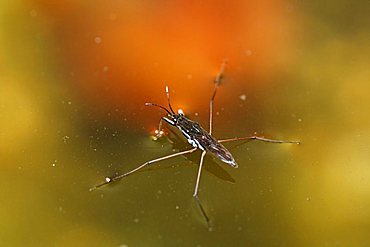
<point x="122" y="55"/>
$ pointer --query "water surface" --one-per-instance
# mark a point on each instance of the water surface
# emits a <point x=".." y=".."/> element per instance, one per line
<point x="71" y="113"/>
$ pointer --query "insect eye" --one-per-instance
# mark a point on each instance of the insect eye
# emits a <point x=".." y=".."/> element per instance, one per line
<point x="180" y="112"/>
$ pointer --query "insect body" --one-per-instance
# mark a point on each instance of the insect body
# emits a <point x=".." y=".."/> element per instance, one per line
<point x="198" y="137"/>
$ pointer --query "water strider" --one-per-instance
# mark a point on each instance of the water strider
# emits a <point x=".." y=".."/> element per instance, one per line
<point x="198" y="137"/>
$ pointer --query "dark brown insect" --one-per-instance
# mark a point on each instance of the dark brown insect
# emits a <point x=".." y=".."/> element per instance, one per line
<point x="198" y="137"/>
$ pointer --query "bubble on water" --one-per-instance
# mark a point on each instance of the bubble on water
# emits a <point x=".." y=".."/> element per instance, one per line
<point x="54" y="164"/>
<point x="308" y="198"/>
<point x="108" y="179"/>
<point x="65" y="139"/>
<point x="243" y="97"/>
<point x="177" y="207"/>
<point x="33" y="13"/>
<point x="248" y="53"/>
<point x="98" y="40"/>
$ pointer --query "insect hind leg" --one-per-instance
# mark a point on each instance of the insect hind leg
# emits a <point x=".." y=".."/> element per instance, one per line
<point x="258" y="139"/>
<point x="199" y="172"/>
<point x="203" y="211"/>
<point x="195" y="195"/>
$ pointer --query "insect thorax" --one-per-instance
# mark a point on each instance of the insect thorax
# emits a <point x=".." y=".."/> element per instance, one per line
<point x="191" y="130"/>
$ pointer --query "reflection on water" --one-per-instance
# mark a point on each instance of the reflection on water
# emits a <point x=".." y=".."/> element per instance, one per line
<point x="60" y="136"/>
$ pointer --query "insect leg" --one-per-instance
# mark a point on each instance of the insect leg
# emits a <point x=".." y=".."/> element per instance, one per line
<point x="159" y="132"/>
<point x="257" y="138"/>
<point x="217" y="84"/>
<point x="195" y="195"/>
<point x="202" y="209"/>
<point x="118" y="177"/>
<point x="168" y="121"/>
<point x="199" y="172"/>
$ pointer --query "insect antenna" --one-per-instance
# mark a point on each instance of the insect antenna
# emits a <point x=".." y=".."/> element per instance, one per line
<point x="168" y="99"/>
<point x="162" y="107"/>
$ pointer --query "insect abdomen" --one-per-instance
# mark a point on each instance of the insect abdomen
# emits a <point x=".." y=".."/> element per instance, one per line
<point x="218" y="150"/>
<point x="200" y="138"/>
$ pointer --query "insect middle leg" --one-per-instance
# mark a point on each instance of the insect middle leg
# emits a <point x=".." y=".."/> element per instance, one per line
<point x="217" y="84"/>
<point x="118" y="177"/>
<point x="258" y="139"/>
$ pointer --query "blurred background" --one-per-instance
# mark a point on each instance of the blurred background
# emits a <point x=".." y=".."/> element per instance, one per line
<point x="74" y="77"/>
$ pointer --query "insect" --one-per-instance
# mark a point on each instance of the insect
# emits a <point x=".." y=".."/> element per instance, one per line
<point x="197" y="137"/>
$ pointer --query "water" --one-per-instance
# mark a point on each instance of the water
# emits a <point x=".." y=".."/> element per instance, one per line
<point x="71" y="114"/>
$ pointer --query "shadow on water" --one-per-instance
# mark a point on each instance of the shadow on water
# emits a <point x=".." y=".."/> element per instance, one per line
<point x="211" y="165"/>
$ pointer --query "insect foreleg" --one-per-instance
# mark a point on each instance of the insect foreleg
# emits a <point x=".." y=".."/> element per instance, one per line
<point x="118" y="177"/>
<point x="258" y="139"/>
<point x="159" y="132"/>
<point x="168" y="121"/>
